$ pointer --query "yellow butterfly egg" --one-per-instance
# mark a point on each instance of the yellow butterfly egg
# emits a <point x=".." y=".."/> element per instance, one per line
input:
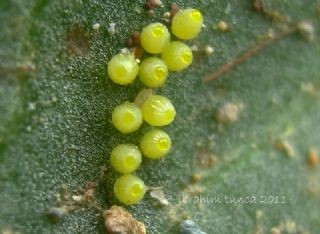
<point x="177" y="55"/>
<point x="154" y="37"/>
<point x="123" y="68"/>
<point x="125" y="158"/>
<point x="127" y="117"/>
<point x="153" y="72"/>
<point x="155" y="144"/>
<point x="187" y="24"/>
<point x="129" y="189"/>
<point x="158" y="110"/>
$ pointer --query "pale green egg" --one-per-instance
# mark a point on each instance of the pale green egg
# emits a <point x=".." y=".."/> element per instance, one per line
<point x="158" y="111"/>
<point x="153" y="72"/>
<point x="154" y="37"/>
<point x="155" y="144"/>
<point x="186" y="24"/>
<point x="129" y="189"/>
<point x="127" y="117"/>
<point x="177" y="55"/>
<point x="125" y="158"/>
<point x="123" y="68"/>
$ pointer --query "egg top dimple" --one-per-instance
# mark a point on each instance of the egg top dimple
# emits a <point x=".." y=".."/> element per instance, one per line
<point x="127" y="117"/>
<point x="177" y="55"/>
<point x="129" y="189"/>
<point x="153" y="72"/>
<point x="125" y="158"/>
<point x="155" y="144"/>
<point x="154" y="37"/>
<point x="187" y="24"/>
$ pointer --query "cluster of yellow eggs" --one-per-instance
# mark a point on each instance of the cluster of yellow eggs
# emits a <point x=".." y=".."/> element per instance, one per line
<point x="156" y="110"/>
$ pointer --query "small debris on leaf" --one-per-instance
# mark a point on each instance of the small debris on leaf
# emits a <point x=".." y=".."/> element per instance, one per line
<point x="313" y="158"/>
<point x="194" y="48"/>
<point x="151" y="4"/>
<point x="208" y="50"/>
<point x="142" y="96"/>
<point x="227" y="10"/>
<point x="275" y="230"/>
<point x="306" y="30"/>
<point x="286" y="147"/>
<point x="222" y="26"/>
<point x="111" y="29"/>
<point x="119" y="220"/>
<point x="134" y="39"/>
<point x="195" y="178"/>
<point x="158" y="194"/>
<point x="190" y="227"/>
<point x="205" y="159"/>
<point x="257" y="5"/>
<point x="166" y="14"/>
<point x="96" y="26"/>
<point x="55" y="214"/>
<point x="134" y="44"/>
<point x="309" y="88"/>
<point x="229" y="113"/>
<point x="174" y="9"/>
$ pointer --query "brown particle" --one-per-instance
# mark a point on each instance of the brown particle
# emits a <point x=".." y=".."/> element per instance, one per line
<point x="228" y="113"/>
<point x="119" y="220"/>
<point x="306" y="30"/>
<point x="134" y="39"/>
<point x="223" y="26"/>
<point x="275" y="230"/>
<point x="151" y="4"/>
<point x="257" y="5"/>
<point x="138" y="52"/>
<point x="77" y="40"/>
<point x="142" y="96"/>
<point x="88" y="185"/>
<point x="310" y="88"/>
<point x="174" y="9"/>
<point x="286" y="147"/>
<point x="205" y="159"/>
<point x="313" y="158"/>
<point x="103" y="172"/>
<point x="150" y="13"/>
<point x="195" y="178"/>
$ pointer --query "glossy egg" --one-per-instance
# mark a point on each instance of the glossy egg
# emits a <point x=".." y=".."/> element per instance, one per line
<point x="125" y="158"/>
<point x="154" y="37"/>
<point x="153" y="72"/>
<point x="123" y="68"/>
<point x="155" y="144"/>
<point x="186" y="24"/>
<point x="177" y="55"/>
<point x="129" y="189"/>
<point x="158" y="110"/>
<point x="127" y="117"/>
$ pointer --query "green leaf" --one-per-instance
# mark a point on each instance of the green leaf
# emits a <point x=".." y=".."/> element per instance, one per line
<point x="56" y="102"/>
